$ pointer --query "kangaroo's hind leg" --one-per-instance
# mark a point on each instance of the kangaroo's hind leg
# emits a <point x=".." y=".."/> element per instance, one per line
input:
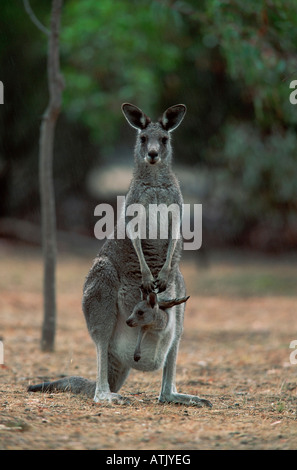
<point x="100" y="309"/>
<point x="168" y="388"/>
<point x="117" y="373"/>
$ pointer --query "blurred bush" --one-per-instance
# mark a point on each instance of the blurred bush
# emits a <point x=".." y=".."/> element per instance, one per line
<point x="255" y="181"/>
<point x="231" y="62"/>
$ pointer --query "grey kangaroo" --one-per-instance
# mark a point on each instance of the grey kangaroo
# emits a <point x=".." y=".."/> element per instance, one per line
<point x="111" y="289"/>
<point x="152" y="317"/>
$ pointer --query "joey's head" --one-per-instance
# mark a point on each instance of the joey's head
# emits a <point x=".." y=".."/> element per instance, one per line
<point x="150" y="312"/>
<point x="145" y="312"/>
<point x="153" y="140"/>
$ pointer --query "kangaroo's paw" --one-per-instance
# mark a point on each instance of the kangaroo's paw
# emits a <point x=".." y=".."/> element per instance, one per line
<point x="162" y="280"/>
<point x="185" y="399"/>
<point x="148" y="283"/>
<point x="109" y="397"/>
<point x="160" y="285"/>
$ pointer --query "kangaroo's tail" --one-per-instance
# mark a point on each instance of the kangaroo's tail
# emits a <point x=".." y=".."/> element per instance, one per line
<point x="77" y="385"/>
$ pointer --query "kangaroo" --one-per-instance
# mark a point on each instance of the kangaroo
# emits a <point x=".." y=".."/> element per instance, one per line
<point x="152" y="317"/>
<point x="111" y="288"/>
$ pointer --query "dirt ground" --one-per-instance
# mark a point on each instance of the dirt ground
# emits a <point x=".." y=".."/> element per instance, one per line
<point x="240" y="321"/>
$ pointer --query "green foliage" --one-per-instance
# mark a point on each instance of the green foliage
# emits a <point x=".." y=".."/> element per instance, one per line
<point x="114" y="52"/>
<point x="263" y="166"/>
<point x="258" y="41"/>
<point x="231" y="62"/>
<point x="137" y="50"/>
<point x="24" y="100"/>
<point x="257" y="179"/>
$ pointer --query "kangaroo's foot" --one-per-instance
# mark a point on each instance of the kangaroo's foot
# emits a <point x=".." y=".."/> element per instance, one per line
<point x="148" y="282"/>
<point x="109" y="397"/>
<point x="184" y="399"/>
<point x="161" y="283"/>
<point x="162" y="279"/>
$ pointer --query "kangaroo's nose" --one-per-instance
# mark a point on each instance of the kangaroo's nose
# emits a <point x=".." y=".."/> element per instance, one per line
<point x="153" y="156"/>
<point x="129" y="322"/>
<point x="153" y="153"/>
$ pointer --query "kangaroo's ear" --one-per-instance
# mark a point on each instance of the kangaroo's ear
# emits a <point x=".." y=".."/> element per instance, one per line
<point x="172" y="117"/>
<point x="135" y="116"/>
<point x="152" y="299"/>
<point x="171" y="303"/>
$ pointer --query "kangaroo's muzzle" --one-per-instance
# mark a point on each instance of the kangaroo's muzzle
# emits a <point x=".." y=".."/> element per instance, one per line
<point x="152" y="157"/>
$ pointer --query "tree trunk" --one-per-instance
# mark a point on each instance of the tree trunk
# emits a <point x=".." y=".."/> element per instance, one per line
<point x="48" y="215"/>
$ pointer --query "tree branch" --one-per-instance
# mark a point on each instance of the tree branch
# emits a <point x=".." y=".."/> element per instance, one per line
<point x="48" y="213"/>
<point x="34" y="18"/>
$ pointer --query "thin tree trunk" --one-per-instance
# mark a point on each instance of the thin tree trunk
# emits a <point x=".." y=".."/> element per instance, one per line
<point x="46" y="145"/>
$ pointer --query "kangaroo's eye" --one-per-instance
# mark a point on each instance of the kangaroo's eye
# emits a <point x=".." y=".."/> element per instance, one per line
<point x="164" y="140"/>
<point x="143" y="139"/>
<point x="140" y="312"/>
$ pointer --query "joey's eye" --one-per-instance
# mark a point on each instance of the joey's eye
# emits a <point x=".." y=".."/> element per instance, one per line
<point x="140" y="312"/>
<point x="164" y="140"/>
<point x="143" y="139"/>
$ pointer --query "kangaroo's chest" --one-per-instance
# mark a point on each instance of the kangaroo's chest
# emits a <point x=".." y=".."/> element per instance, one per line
<point x="154" y="346"/>
<point x="157" y="204"/>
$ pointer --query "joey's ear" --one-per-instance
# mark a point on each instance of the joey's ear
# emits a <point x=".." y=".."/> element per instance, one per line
<point x="171" y="303"/>
<point x="172" y="117"/>
<point x="152" y="299"/>
<point x="135" y="116"/>
<point x="143" y="293"/>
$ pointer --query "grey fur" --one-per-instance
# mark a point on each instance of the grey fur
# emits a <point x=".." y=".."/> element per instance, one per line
<point x="111" y="289"/>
